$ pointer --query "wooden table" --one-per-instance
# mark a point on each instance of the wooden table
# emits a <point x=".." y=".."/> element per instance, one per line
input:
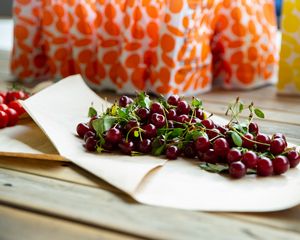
<point x="58" y="200"/>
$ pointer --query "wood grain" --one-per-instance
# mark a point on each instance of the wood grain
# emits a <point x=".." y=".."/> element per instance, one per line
<point x="104" y="209"/>
<point x="16" y="224"/>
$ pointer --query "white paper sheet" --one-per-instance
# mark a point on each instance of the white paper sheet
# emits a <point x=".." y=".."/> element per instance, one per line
<point x="180" y="184"/>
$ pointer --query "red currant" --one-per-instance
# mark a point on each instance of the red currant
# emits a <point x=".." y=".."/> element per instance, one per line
<point x="280" y="164"/>
<point x="237" y="170"/>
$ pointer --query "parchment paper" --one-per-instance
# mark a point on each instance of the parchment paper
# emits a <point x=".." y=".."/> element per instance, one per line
<point x="179" y="184"/>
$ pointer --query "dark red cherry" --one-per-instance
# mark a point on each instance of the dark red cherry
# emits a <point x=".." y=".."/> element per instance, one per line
<point x="171" y="115"/>
<point x="212" y="133"/>
<point x="250" y="159"/>
<point x="173" y="100"/>
<point x="280" y="164"/>
<point x="208" y="123"/>
<point x="126" y="147"/>
<point x="221" y="147"/>
<point x="253" y="128"/>
<point x="150" y="130"/>
<point x="277" y="146"/>
<point x="210" y="156"/>
<point x="91" y="144"/>
<point x="199" y="113"/>
<point x="183" y="107"/>
<point x="294" y="158"/>
<point x="124" y="101"/>
<point x="172" y="152"/>
<point x="234" y="155"/>
<point x="189" y="150"/>
<point x="82" y="129"/>
<point x="237" y="170"/>
<point x="145" y="145"/>
<point x="113" y="136"/>
<point x="264" y="142"/>
<point x="202" y="144"/>
<point x="156" y="107"/>
<point x="158" y="120"/>
<point x="143" y="113"/>
<point x="89" y="134"/>
<point x="248" y="141"/>
<point x="264" y="167"/>
<point x="183" y="118"/>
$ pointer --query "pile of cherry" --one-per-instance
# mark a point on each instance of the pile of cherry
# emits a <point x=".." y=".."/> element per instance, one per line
<point x="174" y="128"/>
<point x="10" y="107"/>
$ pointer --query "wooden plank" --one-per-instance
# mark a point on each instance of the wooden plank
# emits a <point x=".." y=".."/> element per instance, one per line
<point x="101" y="208"/>
<point x="18" y="224"/>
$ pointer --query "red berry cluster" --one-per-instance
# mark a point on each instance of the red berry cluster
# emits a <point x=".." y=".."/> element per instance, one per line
<point x="10" y="108"/>
<point x="174" y="128"/>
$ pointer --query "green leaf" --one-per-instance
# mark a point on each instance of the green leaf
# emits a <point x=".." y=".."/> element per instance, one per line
<point x="196" y="134"/>
<point x="259" y="113"/>
<point x="143" y="100"/>
<point x="236" y="139"/>
<point x="157" y="147"/>
<point x="214" y="168"/>
<point x="197" y="103"/>
<point x="92" y="112"/>
<point x="176" y="132"/>
<point x="103" y="124"/>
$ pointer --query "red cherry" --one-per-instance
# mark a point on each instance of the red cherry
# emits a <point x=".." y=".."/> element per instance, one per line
<point x="277" y="146"/>
<point x="265" y="139"/>
<point x="3" y="119"/>
<point x="294" y="158"/>
<point x="210" y="156"/>
<point x="150" y="131"/>
<point x="145" y="146"/>
<point x="173" y="100"/>
<point x="158" y="120"/>
<point x="16" y="105"/>
<point x="172" y="152"/>
<point x="189" y="150"/>
<point x="2" y="100"/>
<point x="208" y="123"/>
<point x="3" y="107"/>
<point x="13" y="117"/>
<point x="183" y="107"/>
<point x="89" y="134"/>
<point x="250" y="159"/>
<point x="221" y="147"/>
<point x="195" y="120"/>
<point x="247" y="143"/>
<point x="264" y="167"/>
<point x="82" y="129"/>
<point x="3" y="95"/>
<point x="183" y="118"/>
<point x="143" y="113"/>
<point x="234" y="155"/>
<point x="91" y="144"/>
<point x="280" y="164"/>
<point x="156" y="107"/>
<point x="126" y="147"/>
<point x="171" y="115"/>
<point x="14" y="95"/>
<point x="113" y="136"/>
<point x="253" y="128"/>
<point x="124" y="101"/>
<point x="199" y="113"/>
<point x="237" y="170"/>
<point x="212" y="133"/>
<point x="202" y="144"/>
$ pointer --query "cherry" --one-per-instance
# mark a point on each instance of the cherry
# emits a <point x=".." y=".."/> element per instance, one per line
<point x="145" y="146"/>
<point x="253" y="128"/>
<point x="195" y="120"/>
<point x="82" y="129"/>
<point x="130" y="125"/>
<point x="189" y="150"/>
<point x="199" y="113"/>
<point x="113" y="136"/>
<point x="3" y="119"/>
<point x="108" y="146"/>
<point x="280" y="164"/>
<point x="183" y="107"/>
<point x="294" y="158"/>
<point x="222" y="129"/>
<point x="16" y="105"/>
<point x="13" y="117"/>
<point x="202" y="144"/>
<point x="3" y="95"/>
<point x="262" y="138"/>
<point x="237" y="170"/>
<point x="208" y="123"/>
<point x="183" y="118"/>
<point x="150" y="131"/>
<point x="91" y="144"/>
<point x="158" y="120"/>
<point x="173" y="100"/>
<point x="234" y="155"/>
<point x="212" y="133"/>
<point x="171" y="115"/>
<point x="89" y="134"/>
<point x="277" y="146"/>
<point x="3" y="107"/>
<point x="2" y="99"/>
<point x="156" y="107"/>
<point x="280" y="136"/>
<point x="264" y="167"/>
<point x="250" y="159"/>
<point x="143" y="113"/>
<point x="221" y="147"/>
<point x="247" y="143"/>
<point x="172" y="152"/>
<point x="126" y="147"/>
<point x="210" y="156"/>
<point x="14" y="95"/>
<point x="171" y="124"/>
<point x="124" y="101"/>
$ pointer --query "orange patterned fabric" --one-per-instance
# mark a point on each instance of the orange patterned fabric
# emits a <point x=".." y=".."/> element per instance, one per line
<point x="163" y="46"/>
